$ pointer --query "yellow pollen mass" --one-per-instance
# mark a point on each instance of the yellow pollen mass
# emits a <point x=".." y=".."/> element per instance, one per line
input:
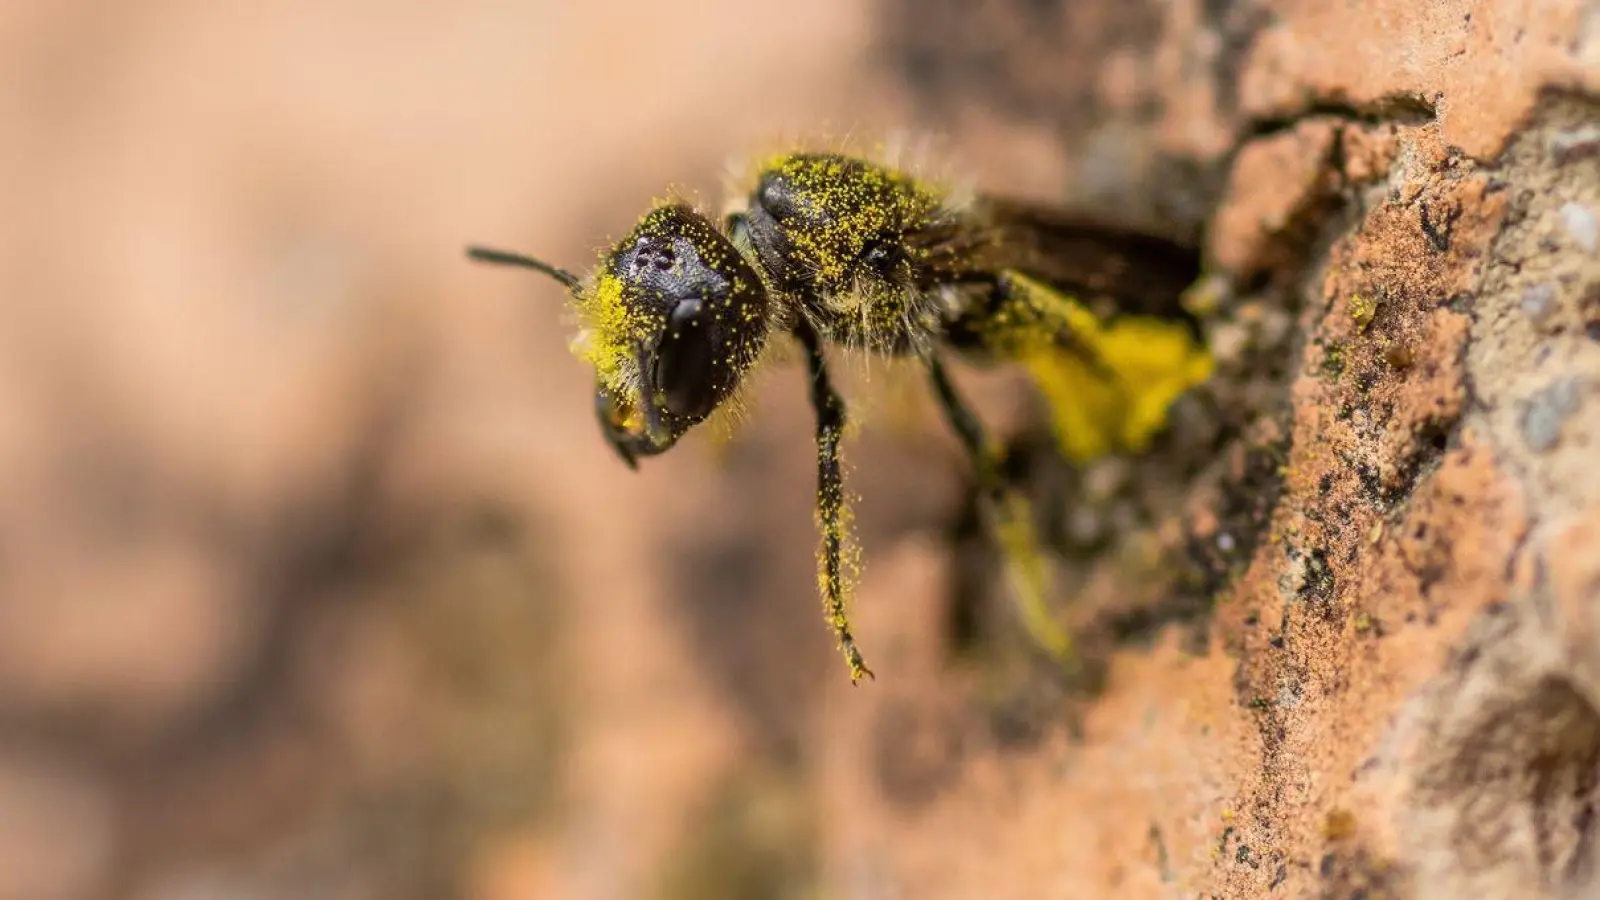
<point x="612" y="330"/>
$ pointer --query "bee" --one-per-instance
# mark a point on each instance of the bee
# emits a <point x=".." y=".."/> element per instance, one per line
<point x="842" y="251"/>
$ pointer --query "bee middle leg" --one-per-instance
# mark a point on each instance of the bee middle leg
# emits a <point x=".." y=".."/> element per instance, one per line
<point x="1008" y="518"/>
<point x="832" y="510"/>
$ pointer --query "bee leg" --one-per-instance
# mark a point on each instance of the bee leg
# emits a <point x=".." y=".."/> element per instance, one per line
<point x="615" y="436"/>
<point x="832" y="512"/>
<point x="1070" y="326"/>
<point x="629" y="445"/>
<point x="1008" y="518"/>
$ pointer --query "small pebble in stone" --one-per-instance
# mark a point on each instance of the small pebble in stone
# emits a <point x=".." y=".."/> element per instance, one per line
<point x="1085" y="526"/>
<point x="1105" y="479"/>
<point x="1581" y="226"/>
<point x="1546" y="411"/>
<point x="1575" y="144"/>
<point x="1539" y="302"/>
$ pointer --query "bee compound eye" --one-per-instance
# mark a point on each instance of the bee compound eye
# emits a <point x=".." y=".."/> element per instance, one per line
<point x="775" y="195"/>
<point x="685" y="362"/>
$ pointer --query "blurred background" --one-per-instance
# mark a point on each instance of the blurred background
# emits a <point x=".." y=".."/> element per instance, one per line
<point x="315" y="578"/>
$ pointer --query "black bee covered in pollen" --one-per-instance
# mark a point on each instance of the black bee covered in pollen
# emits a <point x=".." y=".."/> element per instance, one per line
<point x="843" y="251"/>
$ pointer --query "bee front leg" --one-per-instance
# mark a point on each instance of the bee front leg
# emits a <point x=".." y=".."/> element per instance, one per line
<point x="629" y="445"/>
<point x="832" y="507"/>
<point x="1008" y="518"/>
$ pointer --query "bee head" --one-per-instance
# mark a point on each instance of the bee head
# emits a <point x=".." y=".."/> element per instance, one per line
<point x="671" y="320"/>
<point x="826" y="224"/>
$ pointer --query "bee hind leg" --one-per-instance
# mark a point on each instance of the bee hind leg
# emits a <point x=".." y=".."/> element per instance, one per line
<point x="1008" y="519"/>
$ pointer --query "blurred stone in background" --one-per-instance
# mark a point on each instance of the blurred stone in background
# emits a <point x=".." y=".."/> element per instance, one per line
<point x="314" y="578"/>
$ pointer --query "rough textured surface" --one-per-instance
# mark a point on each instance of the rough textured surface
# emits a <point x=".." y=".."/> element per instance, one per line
<point x="1386" y="703"/>
<point x="316" y="582"/>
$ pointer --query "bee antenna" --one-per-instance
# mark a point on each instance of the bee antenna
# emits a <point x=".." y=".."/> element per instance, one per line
<point x="504" y="258"/>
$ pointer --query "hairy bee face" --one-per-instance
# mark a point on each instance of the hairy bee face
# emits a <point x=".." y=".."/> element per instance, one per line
<point x="827" y="225"/>
<point x="671" y="322"/>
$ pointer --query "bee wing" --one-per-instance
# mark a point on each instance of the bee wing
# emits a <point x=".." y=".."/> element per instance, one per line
<point x="1100" y="262"/>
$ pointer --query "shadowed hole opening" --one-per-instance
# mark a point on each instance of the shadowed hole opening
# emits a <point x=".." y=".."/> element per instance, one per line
<point x="1520" y="790"/>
